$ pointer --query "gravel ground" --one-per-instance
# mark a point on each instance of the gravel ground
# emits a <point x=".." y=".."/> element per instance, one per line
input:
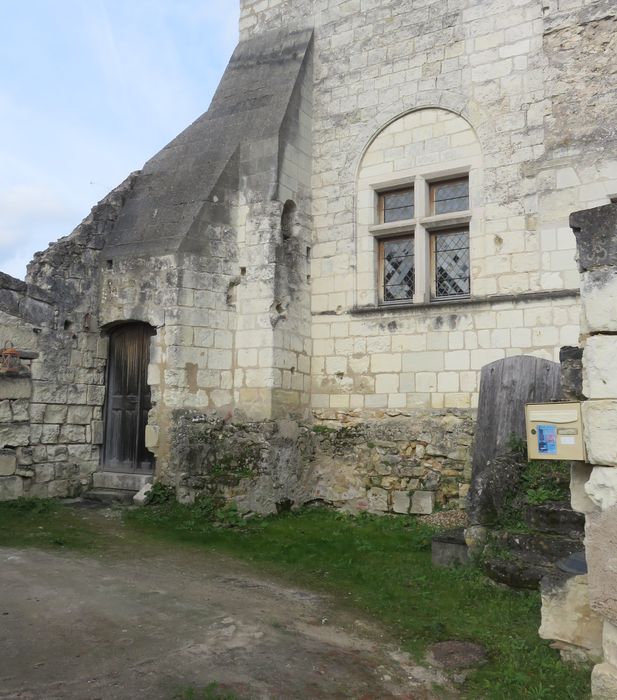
<point x="446" y="519"/>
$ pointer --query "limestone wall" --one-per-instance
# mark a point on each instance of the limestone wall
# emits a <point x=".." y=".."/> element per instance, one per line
<point x="494" y="88"/>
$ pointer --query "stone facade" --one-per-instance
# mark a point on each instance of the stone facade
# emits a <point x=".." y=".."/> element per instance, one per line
<point x="250" y="247"/>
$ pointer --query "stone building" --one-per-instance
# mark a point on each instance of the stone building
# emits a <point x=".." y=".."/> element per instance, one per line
<point x="293" y="300"/>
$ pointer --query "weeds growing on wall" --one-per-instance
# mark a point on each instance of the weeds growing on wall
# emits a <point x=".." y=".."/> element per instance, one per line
<point x="382" y="566"/>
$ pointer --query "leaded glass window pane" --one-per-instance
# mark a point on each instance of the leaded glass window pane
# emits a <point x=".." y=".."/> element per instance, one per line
<point x="397" y="205"/>
<point x="450" y="196"/>
<point x="452" y="264"/>
<point x="398" y="269"/>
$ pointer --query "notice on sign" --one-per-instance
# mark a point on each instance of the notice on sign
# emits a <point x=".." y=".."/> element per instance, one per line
<point x="547" y="439"/>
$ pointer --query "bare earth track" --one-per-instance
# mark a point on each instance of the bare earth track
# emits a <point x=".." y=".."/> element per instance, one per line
<point x="146" y="620"/>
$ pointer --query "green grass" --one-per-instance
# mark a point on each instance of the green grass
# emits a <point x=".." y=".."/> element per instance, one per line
<point x="382" y="566"/>
<point x="210" y="692"/>
<point x="45" y="524"/>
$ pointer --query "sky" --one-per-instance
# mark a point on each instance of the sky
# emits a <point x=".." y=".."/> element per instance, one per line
<point x="90" y="90"/>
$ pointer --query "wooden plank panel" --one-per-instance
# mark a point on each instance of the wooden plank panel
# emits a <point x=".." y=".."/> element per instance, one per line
<point x="505" y="387"/>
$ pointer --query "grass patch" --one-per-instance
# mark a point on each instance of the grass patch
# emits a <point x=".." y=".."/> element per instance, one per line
<point x="211" y="692"/>
<point x="33" y="522"/>
<point x="382" y="566"/>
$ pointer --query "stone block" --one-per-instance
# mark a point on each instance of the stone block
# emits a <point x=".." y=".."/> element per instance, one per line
<point x="44" y="473"/>
<point x="579" y="476"/>
<point x="601" y="553"/>
<point x="6" y="415"/>
<point x="60" y="488"/>
<point x="599" y="300"/>
<point x="8" y="462"/>
<point x="422" y="503"/>
<point x="401" y="502"/>
<point x="599" y="421"/>
<point x="55" y="413"/>
<point x="21" y="410"/>
<point x="79" y="415"/>
<point x="15" y="388"/>
<point x="98" y="432"/>
<point x="14" y="435"/>
<point x="567" y="617"/>
<point x="72" y="433"/>
<point x="449" y="549"/>
<point x="50" y="434"/>
<point x="152" y="437"/>
<point x="600" y="367"/>
<point x="604" y="682"/>
<point x="601" y="488"/>
<point x="609" y="642"/>
<point x="141" y="497"/>
<point x="596" y="236"/>
<point x="11" y="487"/>
<point x="377" y="500"/>
<point x="49" y="392"/>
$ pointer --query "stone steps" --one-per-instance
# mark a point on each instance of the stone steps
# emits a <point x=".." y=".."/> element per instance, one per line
<point x="110" y="497"/>
<point x="554" y="517"/>
<point x="115" y="481"/>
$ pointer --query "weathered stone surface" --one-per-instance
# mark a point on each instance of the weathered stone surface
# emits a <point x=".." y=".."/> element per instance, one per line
<point x="604" y="681"/>
<point x="141" y="497"/>
<point x="449" y="548"/>
<point x="567" y="616"/>
<point x="400" y="502"/>
<point x="555" y="517"/>
<point x="11" y="487"/>
<point x="14" y="435"/>
<point x="599" y="300"/>
<point x="599" y="376"/>
<point x="15" y="388"/>
<point x="579" y="476"/>
<point x="596" y="237"/>
<point x="492" y="488"/>
<point x="98" y="432"/>
<point x="609" y="642"/>
<point x="599" y="421"/>
<point x="8" y="462"/>
<point x="422" y="503"/>
<point x="377" y="500"/>
<point x="601" y="488"/>
<point x="571" y="360"/>
<point x="601" y="552"/>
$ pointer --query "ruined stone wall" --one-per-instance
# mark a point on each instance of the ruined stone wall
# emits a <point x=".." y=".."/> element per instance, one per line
<point x="408" y="464"/>
<point x="57" y="435"/>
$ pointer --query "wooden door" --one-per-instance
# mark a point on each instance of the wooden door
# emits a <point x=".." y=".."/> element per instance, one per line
<point x="128" y="400"/>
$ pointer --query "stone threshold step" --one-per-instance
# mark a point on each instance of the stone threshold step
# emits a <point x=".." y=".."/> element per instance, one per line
<point x="122" y="482"/>
<point x="110" y="496"/>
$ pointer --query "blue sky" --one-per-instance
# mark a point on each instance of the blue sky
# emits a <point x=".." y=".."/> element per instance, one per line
<point x="89" y="90"/>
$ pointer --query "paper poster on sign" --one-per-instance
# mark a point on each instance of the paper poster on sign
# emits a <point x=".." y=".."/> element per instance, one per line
<point x="547" y="439"/>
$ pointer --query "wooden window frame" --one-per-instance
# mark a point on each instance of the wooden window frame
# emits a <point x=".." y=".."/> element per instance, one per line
<point x="382" y="270"/>
<point x="432" y="186"/>
<point x="433" y="262"/>
<point x="395" y="190"/>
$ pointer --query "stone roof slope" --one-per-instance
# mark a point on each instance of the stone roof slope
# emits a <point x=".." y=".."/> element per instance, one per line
<point x="249" y="105"/>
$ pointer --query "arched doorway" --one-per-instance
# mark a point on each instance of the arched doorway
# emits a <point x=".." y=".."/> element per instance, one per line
<point x="128" y="400"/>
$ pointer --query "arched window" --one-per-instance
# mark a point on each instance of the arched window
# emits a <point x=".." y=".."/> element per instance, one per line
<point x="418" y="199"/>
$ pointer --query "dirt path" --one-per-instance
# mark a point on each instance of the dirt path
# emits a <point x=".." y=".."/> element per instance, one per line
<point x="147" y="621"/>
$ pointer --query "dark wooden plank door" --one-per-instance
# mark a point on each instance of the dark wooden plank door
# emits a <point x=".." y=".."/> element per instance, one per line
<point x="128" y="400"/>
